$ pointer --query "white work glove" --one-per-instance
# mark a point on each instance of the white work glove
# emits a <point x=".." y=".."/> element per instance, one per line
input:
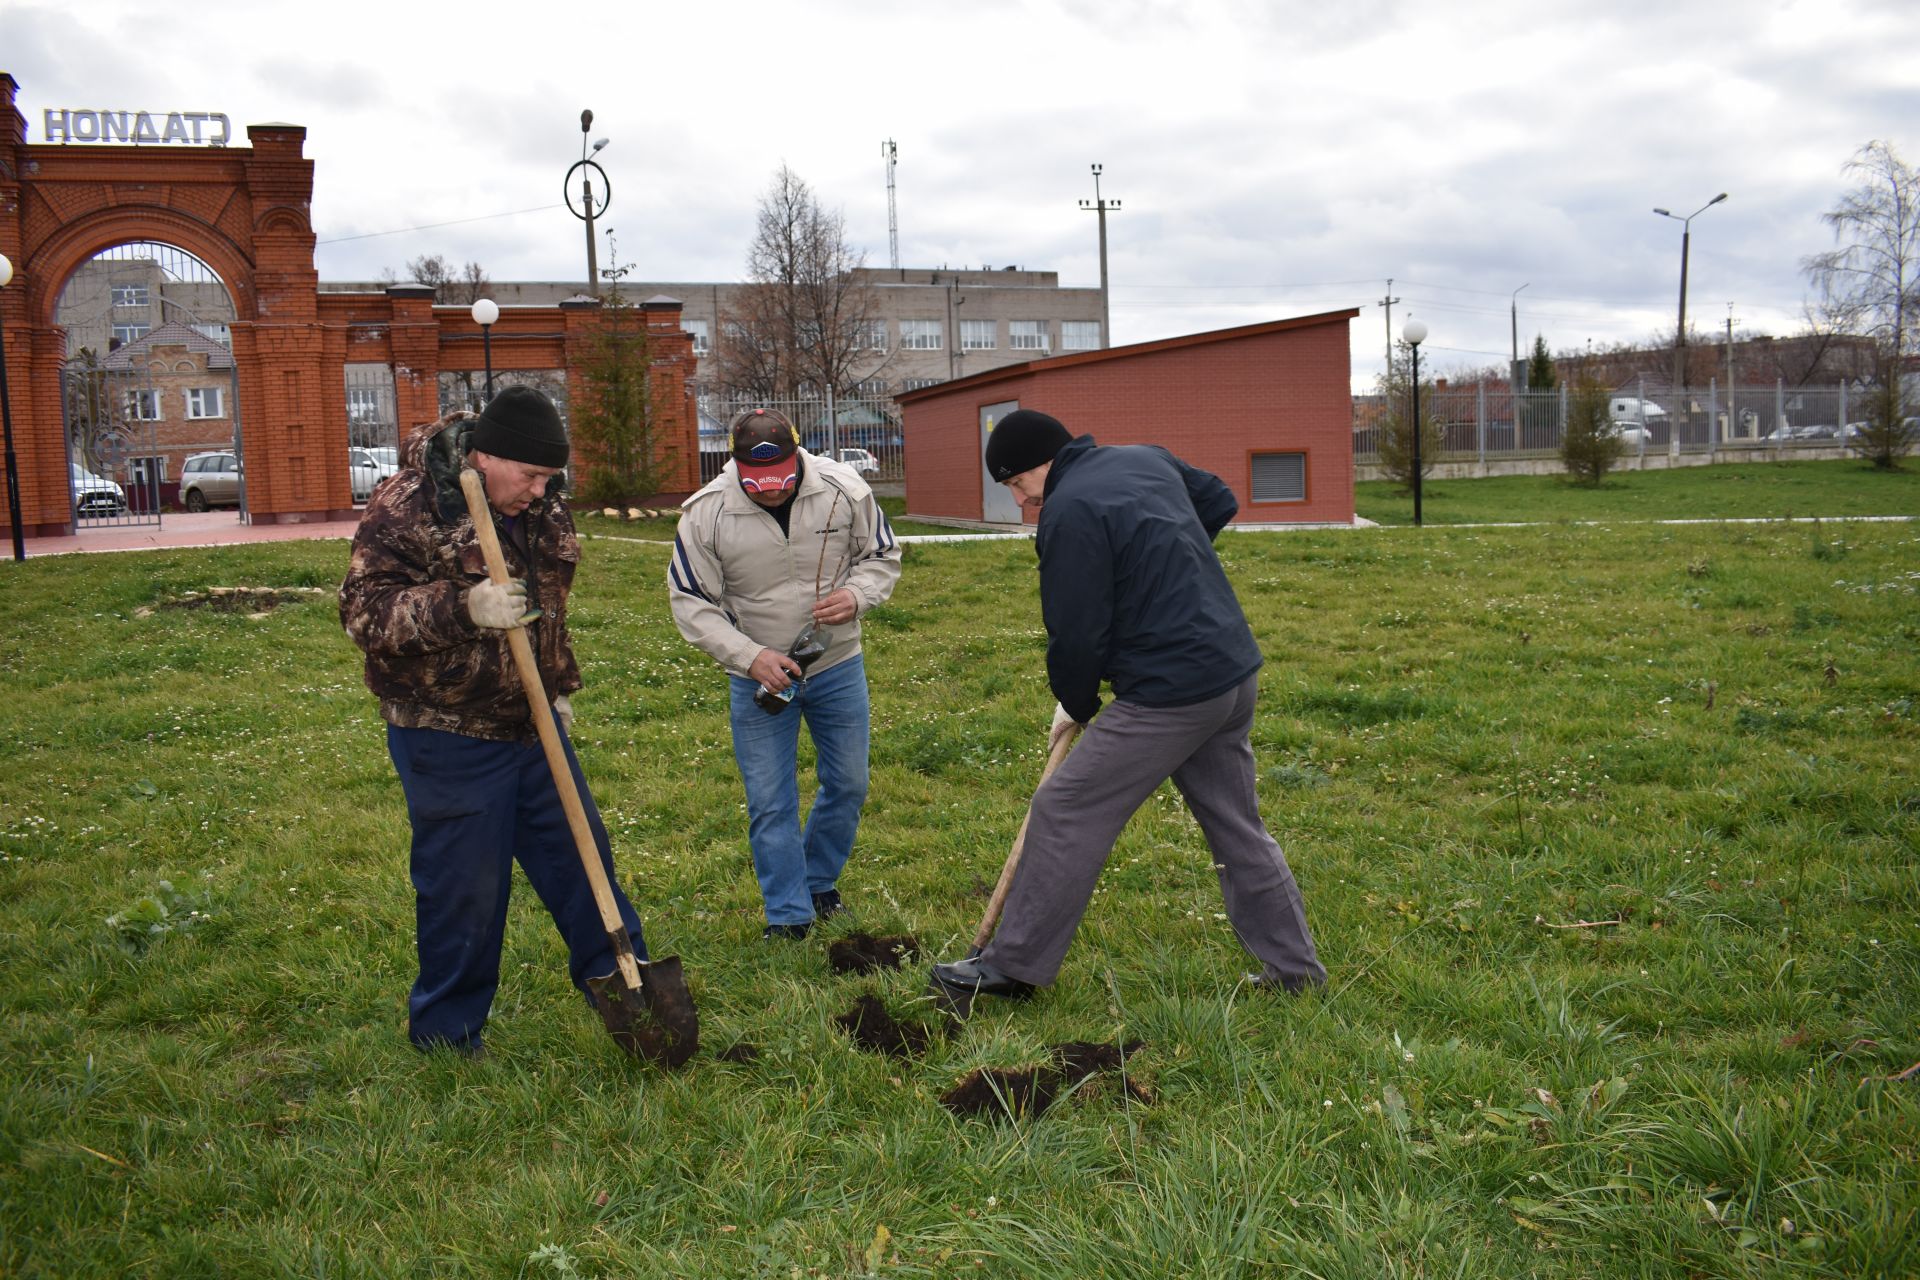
<point x="563" y="712"/>
<point x="497" y="605"/>
<point x="1063" y="724"/>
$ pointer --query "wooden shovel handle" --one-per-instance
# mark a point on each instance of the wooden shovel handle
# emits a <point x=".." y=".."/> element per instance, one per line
<point x="999" y="898"/>
<point x="473" y="485"/>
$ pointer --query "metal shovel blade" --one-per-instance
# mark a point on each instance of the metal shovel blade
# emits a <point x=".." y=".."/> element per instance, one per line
<point x="657" y="1022"/>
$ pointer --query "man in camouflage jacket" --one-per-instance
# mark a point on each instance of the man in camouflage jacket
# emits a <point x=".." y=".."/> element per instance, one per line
<point x="434" y="629"/>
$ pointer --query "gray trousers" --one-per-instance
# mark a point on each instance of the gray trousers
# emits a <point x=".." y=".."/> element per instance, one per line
<point x="1124" y="755"/>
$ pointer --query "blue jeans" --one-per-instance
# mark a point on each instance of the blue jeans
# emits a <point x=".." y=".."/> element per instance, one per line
<point x="793" y="864"/>
<point x="476" y="806"/>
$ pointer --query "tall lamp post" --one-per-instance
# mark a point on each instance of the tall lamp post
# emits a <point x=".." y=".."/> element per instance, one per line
<point x="1680" y="333"/>
<point x="1415" y="333"/>
<point x="586" y="166"/>
<point x="6" y="418"/>
<point x="485" y="312"/>
<point x="1102" y="207"/>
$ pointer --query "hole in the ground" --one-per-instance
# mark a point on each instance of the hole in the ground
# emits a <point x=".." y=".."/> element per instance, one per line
<point x="864" y="953"/>
<point x="253" y="601"/>
<point x="875" y="1030"/>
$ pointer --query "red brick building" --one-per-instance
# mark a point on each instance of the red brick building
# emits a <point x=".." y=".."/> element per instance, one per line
<point x="243" y="211"/>
<point x="1266" y="407"/>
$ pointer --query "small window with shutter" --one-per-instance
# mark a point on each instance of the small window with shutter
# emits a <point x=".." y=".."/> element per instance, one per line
<point x="1279" y="477"/>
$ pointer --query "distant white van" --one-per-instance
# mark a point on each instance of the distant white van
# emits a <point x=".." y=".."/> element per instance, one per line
<point x="1634" y="409"/>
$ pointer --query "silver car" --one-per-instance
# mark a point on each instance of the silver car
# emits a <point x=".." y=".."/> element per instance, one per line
<point x="93" y="496"/>
<point x="210" y="480"/>
<point x="368" y="467"/>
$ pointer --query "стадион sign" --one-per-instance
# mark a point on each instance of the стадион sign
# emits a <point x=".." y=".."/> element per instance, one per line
<point x="142" y="128"/>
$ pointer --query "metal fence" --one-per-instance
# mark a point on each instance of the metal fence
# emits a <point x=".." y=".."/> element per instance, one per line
<point x="864" y="433"/>
<point x="1490" y="420"/>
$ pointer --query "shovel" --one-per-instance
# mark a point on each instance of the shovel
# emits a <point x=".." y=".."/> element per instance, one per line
<point x="647" y="1007"/>
<point x="1061" y="746"/>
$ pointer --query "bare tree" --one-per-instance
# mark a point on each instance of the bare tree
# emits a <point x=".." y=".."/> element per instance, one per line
<point x="805" y="323"/>
<point x="1870" y="282"/>
<point x="465" y="285"/>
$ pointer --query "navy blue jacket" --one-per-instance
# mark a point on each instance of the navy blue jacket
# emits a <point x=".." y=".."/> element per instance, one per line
<point x="1130" y="587"/>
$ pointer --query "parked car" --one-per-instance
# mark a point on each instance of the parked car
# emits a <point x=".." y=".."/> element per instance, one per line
<point x="367" y="469"/>
<point x="860" y="460"/>
<point x="1807" y="431"/>
<point x="1631" y="434"/>
<point x="95" y="496"/>
<point x="210" y="480"/>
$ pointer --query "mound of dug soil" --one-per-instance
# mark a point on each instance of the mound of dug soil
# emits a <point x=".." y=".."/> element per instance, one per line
<point x="1019" y="1094"/>
<point x="864" y="953"/>
<point x="874" y="1029"/>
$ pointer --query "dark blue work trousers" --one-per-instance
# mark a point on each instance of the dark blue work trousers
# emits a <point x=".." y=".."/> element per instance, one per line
<point x="476" y="806"/>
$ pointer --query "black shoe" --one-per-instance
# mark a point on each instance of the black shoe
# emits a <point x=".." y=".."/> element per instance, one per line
<point x="827" y="904"/>
<point x="786" y="932"/>
<point x="964" y="979"/>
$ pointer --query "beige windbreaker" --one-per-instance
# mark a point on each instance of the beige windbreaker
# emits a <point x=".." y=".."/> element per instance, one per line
<point x="737" y="585"/>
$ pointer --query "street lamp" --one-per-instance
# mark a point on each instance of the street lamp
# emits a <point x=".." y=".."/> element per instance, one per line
<point x="485" y="312"/>
<point x="1680" y="333"/>
<point x="1415" y="333"/>
<point x="588" y="167"/>
<point x="6" y="418"/>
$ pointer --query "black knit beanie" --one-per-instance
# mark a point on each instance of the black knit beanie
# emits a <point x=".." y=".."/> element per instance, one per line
<point x="521" y="425"/>
<point x="1021" y="441"/>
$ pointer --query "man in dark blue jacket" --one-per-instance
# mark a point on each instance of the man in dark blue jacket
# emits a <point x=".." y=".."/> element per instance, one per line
<point x="1133" y="594"/>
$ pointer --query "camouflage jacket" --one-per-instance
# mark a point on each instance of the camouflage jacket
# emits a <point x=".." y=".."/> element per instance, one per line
<point x="404" y="601"/>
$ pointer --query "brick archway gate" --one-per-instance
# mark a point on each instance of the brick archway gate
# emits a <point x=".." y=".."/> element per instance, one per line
<point x="241" y="210"/>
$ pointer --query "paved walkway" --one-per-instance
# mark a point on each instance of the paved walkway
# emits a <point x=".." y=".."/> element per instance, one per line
<point x="207" y="529"/>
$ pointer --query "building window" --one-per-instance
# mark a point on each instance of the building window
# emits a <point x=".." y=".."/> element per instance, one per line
<point x="143" y="406"/>
<point x="203" y="402"/>
<point x="976" y="335"/>
<point x="702" y="340"/>
<point x="921" y="335"/>
<point x="1027" y="335"/>
<point x="219" y="333"/>
<point x="870" y="335"/>
<point x="871" y="389"/>
<point x="148" y="471"/>
<point x="1279" y="477"/>
<point x="914" y="384"/>
<point x="131" y="295"/>
<point x="125" y="333"/>
<point x="1079" y="335"/>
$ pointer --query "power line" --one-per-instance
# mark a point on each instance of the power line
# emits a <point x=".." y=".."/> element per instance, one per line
<point x="429" y="226"/>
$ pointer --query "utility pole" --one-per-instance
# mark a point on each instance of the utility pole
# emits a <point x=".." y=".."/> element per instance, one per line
<point x="1100" y="206"/>
<point x="1388" y="302"/>
<point x="891" y="154"/>
<point x="1513" y="359"/>
<point x="1733" y="409"/>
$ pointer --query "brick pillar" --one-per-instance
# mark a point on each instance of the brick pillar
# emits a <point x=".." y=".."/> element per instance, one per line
<point x="293" y="397"/>
<point x="675" y="414"/>
<point x="415" y="339"/>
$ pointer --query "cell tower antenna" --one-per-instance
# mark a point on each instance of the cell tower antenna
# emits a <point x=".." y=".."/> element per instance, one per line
<point x="891" y="154"/>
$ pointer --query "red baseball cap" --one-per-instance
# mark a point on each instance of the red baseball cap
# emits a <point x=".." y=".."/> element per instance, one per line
<point x="764" y="449"/>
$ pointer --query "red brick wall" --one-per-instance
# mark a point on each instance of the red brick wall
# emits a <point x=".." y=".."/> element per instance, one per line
<point x="1214" y="400"/>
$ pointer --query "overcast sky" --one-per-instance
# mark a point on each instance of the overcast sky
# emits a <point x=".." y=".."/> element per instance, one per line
<point x="1271" y="159"/>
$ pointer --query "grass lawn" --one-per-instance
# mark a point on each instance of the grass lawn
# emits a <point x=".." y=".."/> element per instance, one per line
<point x="1730" y="491"/>
<point x="1608" y="837"/>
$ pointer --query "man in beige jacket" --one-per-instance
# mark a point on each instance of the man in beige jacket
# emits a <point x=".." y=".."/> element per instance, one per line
<point x="773" y="564"/>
